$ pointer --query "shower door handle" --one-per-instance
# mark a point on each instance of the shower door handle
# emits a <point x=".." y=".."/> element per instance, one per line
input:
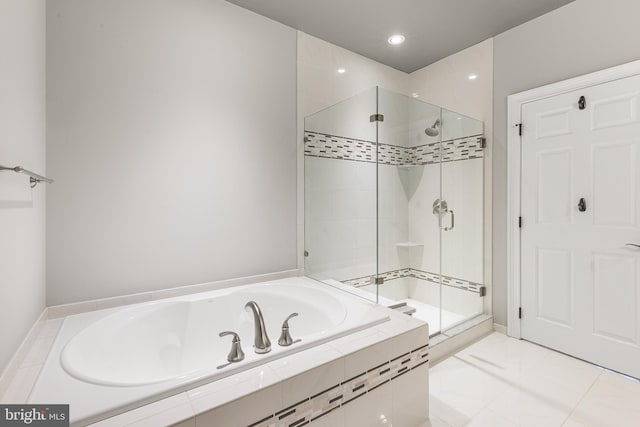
<point x="453" y="221"/>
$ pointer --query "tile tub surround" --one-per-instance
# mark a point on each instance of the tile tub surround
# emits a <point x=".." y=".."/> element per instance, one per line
<point x="166" y="343"/>
<point x="20" y="374"/>
<point x="315" y="384"/>
<point x="287" y="376"/>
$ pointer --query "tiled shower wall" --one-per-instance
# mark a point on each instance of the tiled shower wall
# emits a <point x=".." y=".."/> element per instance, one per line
<point x="343" y="213"/>
<point x="340" y="218"/>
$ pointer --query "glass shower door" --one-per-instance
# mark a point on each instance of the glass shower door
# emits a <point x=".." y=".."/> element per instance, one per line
<point x="463" y="223"/>
<point x="409" y="184"/>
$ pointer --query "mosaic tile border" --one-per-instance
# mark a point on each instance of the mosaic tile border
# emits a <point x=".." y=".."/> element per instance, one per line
<point x="321" y="404"/>
<point x="419" y="274"/>
<point x="337" y="147"/>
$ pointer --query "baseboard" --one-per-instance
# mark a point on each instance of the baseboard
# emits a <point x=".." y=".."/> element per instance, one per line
<point x="18" y="357"/>
<point x="99" y="304"/>
<point x="500" y="328"/>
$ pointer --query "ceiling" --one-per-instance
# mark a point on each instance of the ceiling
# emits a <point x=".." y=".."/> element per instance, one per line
<point x="433" y="29"/>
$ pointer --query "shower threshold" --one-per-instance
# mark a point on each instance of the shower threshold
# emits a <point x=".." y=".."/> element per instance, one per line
<point x="431" y="314"/>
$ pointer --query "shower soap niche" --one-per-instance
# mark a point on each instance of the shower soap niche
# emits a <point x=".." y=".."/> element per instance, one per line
<point x="408" y="244"/>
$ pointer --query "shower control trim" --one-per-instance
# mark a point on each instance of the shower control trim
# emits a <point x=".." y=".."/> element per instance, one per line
<point x="440" y="207"/>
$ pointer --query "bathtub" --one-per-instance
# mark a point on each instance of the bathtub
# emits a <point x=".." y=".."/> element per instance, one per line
<point x="107" y="362"/>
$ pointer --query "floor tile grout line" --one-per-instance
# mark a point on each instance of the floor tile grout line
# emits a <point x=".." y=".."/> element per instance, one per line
<point x="586" y="393"/>
<point x="507" y="385"/>
<point x="510" y="385"/>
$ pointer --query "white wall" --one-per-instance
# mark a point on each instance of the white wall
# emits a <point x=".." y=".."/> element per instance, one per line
<point x="348" y="118"/>
<point x="445" y="83"/>
<point x="22" y="142"/>
<point x="171" y="132"/>
<point x="582" y="37"/>
<point x="321" y="86"/>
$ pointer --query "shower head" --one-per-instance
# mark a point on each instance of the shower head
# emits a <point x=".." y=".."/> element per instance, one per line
<point x="433" y="130"/>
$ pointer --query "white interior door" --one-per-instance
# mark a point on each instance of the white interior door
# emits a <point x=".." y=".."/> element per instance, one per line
<point x="580" y="281"/>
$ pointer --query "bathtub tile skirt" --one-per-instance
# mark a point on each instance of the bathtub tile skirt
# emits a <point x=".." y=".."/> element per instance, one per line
<point x="363" y="390"/>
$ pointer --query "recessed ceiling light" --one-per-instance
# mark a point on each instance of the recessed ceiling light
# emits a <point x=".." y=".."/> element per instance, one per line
<point x="415" y="95"/>
<point x="396" y="39"/>
<point x="473" y="76"/>
<point x="342" y="70"/>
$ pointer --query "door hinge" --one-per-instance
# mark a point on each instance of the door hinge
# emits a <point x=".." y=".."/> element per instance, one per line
<point x="519" y="222"/>
<point x="519" y="312"/>
<point x="306" y="253"/>
<point x="519" y="126"/>
<point x="376" y="118"/>
<point x="482" y="142"/>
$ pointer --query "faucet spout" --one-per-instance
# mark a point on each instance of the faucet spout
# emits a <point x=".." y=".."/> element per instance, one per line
<point x="262" y="344"/>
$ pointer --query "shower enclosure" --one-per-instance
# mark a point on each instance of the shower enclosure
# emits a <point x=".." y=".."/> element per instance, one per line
<point x="394" y="204"/>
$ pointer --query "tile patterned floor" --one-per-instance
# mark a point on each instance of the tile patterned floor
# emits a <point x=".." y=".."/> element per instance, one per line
<point x="503" y="382"/>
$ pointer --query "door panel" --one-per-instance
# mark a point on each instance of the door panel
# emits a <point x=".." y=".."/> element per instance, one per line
<point x="613" y="181"/>
<point x="553" y="123"/>
<point x="580" y="284"/>
<point x="554" y="186"/>
<point x="555" y="286"/>
<point x="616" y="297"/>
<point x="617" y="111"/>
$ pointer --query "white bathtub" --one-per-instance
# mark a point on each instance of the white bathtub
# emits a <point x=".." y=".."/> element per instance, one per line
<point x="107" y="362"/>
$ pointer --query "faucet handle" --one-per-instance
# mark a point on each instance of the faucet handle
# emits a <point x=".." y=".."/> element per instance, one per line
<point x="285" y="338"/>
<point x="236" y="354"/>
<point x="285" y="324"/>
